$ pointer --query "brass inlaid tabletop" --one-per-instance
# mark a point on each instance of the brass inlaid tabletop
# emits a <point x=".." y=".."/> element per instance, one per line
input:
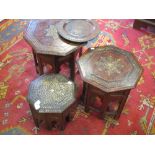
<point x="54" y="93"/>
<point x="43" y="37"/>
<point x="110" y="68"/>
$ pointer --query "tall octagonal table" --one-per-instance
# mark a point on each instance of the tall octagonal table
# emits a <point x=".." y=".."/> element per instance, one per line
<point x="109" y="73"/>
<point x="49" y="47"/>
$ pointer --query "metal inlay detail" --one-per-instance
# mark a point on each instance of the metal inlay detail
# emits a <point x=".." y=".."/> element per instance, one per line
<point x="55" y="93"/>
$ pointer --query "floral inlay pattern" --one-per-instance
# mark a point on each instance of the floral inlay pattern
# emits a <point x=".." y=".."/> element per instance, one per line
<point x="51" y="31"/>
<point x="110" y="65"/>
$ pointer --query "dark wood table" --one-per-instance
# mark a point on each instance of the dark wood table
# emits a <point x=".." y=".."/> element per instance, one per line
<point x="108" y="73"/>
<point x="49" y="47"/>
<point x="52" y="100"/>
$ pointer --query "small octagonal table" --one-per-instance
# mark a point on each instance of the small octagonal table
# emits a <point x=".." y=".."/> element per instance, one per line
<point x="49" y="47"/>
<point x="51" y="99"/>
<point x="110" y="73"/>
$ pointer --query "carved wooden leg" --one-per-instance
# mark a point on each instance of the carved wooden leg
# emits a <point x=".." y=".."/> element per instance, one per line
<point x="72" y="67"/>
<point x="77" y="56"/>
<point x="105" y="103"/>
<point x="40" y="65"/>
<point x="121" y="104"/>
<point x="55" y="64"/>
<point x="62" y="122"/>
<point x="48" y="126"/>
<point x="69" y="117"/>
<point x="48" y="122"/>
<point x="35" y="60"/>
<point x="86" y="102"/>
<point x="83" y="93"/>
<point x="35" y="119"/>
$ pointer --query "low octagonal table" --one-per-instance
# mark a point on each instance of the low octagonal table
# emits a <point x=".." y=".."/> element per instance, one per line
<point x="110" y="73"/>
<point x="49" y="47"/>
<point x="52" y="100"/>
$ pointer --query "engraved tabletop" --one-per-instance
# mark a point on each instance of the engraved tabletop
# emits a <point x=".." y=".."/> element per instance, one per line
<point x="110" y="68"/>
<point x="43" y="37"/>
<point x="54" y="93"/>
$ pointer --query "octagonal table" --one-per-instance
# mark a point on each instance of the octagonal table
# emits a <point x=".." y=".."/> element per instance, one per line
<point x="51" y="99"/>
<point x="49" y="47"/>
<point x="110" y="73"/>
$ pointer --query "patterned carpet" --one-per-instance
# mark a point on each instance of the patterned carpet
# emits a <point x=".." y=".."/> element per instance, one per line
<point x="17" y="71"/>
